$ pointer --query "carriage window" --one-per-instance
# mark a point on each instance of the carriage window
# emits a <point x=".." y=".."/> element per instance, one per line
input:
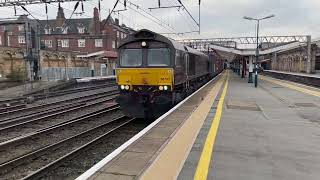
<point x="159" y="57"/>
<point x="131" y="57"/>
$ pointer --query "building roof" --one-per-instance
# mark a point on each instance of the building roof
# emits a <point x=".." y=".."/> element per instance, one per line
<point x="71" y="24"/>
<point x="107" y="54"/>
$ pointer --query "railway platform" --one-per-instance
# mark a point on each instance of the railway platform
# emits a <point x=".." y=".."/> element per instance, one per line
<point x="303" y="78"/>
<point x="227" y="130"/>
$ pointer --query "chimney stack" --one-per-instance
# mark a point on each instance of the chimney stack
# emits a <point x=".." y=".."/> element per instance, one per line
<point x="116" y="21"/>
<point x="96" y="13"/>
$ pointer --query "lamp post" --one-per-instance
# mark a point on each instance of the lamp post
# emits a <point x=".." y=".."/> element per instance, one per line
<point x="257" y="48"/>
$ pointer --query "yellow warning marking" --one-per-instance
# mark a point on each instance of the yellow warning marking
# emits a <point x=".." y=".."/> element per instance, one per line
<point x="206" y="155"/>
<point x="171" y="158"/>
<point x="291" y="86"/>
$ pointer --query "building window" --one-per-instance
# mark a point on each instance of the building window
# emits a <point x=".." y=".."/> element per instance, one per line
<point x="113" y="44"/>
<point x="0" y="40"/>
<point x="21" y="40"/>
<point x="65" y="30"/>
<point x="21" y="27"/>
<point x="59" y="43"/>
<point x="48" y="43"/>
<point x="81" y="30"/>
<point x="47" y="31"/>
<point x="81" y="43"/>
<point x="8" y="40"/>
<point x="118" y="34"/>
<point x="98" y="42"/>
<point x="65" y="43"/>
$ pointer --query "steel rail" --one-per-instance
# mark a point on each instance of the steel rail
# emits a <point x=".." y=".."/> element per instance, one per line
<point x="112" y="92"/>
<point x="43" y="171"/>
<point x="12" y="163"/>
<point x="8" y="121"/>
<point x="55" y="114"/>
<point x="47" y="129"/>
<point x="71" y="91"/>
<point x="6" y="109"/>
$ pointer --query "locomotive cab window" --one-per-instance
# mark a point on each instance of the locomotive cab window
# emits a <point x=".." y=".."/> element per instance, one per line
<point x="131" y="57"/>
<point x="158" y="57"/>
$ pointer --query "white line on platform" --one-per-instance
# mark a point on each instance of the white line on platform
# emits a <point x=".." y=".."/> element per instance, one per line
<point x="86" y="175"/>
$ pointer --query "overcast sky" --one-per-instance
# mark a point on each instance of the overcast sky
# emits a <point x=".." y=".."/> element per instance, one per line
<point x="219" y="18"/>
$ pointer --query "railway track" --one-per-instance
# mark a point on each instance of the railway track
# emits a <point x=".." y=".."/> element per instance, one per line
<point x="71" y="91"/>
<point x="43" y="107"/>
<point x="13" y="102"/>
<point x="10" y="108"/>
<point x="42" y="95"/>
<point x="88" y="130"/>
<point x="80" y="159"/>
<point x="23" y="125"/>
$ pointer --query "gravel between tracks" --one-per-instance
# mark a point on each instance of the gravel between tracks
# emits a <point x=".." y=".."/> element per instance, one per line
<point x="53" y="100"/>
<point x="8" y="134"/>
<point x="52" y="153"/>
<point x="73" y="95"/>
<point x="74" y="166"/>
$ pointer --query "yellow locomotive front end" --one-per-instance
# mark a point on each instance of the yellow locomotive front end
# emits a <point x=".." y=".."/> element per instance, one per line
<point x="138" y="78"/>
<point x="145" y="76"/>
<point x="145" y="92"/>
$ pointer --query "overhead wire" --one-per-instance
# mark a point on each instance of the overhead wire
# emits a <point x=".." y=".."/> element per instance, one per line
<point x="130" y="20"/>
<point x="146" y="11"/>
<point x="150" y="18"/>
<point x="189" y="12"/>
<point x="185" y="18"/>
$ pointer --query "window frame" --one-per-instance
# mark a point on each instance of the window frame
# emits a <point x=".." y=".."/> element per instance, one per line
<point x="64" y="30"/>
<point x="81" y="30"/>
<point x="21" y="39"/>
<point x="21" y="27"/>
<point x="47" y="30"/>
<point x="114" y="44"/>
<point x="153" y="65"/>
<point x="99" y="44"/>
<point x="65" y="43"/>
<point x="48" y="45"/>
<point x="81" y="43"/>
<point x="142" y="58"/>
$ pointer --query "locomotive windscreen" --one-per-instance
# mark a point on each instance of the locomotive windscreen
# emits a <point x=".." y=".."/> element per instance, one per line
<point x="131" y="57"/>
<point x="145" y="57"/>
<point x="158" y="57"/>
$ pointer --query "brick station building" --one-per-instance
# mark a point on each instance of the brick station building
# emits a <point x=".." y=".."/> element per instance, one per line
<point x="67" y="48"/>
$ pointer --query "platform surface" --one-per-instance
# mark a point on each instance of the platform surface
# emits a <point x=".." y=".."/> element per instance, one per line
<point x="269" y="132"/>
<point x="316" y="75"/>
<point x="135" y="159"/>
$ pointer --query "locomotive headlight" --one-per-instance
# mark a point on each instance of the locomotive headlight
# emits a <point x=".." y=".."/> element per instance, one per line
<point x="127" y="87"/>
<point x="160" y="88"/>
<point x="122" y="87"/>
<point x="143" y="44"/>
<point x="165" y="88"/>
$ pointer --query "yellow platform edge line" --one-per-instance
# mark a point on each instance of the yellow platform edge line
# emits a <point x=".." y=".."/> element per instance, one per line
<point x="206" y="154"/>
<point x="171" y="158"/>
<point x="291" y="86"/>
